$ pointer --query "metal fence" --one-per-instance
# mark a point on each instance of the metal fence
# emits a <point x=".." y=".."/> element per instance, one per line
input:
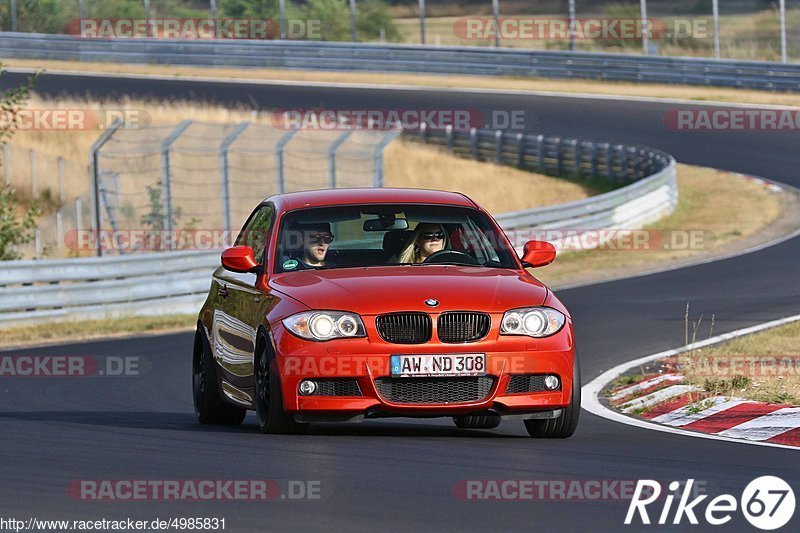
<point x="177" y="281"/>
<point x="645" y="179"/>
<point x="207" y="176"/>
<point x="52" y="182"/>
<point x="407" y="58"/>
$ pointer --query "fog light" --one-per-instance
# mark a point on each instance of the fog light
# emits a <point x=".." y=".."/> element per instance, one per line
<point x="307" y="387"/>
<point x="551" y="382"/>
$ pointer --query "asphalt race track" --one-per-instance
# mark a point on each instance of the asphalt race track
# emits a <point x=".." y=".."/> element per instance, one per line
<point x="400" y="474"/>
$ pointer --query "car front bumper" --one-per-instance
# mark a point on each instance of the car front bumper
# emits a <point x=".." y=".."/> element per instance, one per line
<point x="367" y="364"/>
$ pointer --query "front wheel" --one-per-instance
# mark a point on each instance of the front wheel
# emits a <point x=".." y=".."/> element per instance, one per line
<point x="563" y="426"/>
<point x="208" y="406"/>
<point x="272" y="418"/>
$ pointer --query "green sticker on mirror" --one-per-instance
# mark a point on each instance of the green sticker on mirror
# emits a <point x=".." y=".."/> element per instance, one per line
<point x="291" y="264"/>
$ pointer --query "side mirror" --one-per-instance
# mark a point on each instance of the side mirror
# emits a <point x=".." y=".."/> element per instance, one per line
<point x="239" y="259"/>
<point x="538" y="254"/>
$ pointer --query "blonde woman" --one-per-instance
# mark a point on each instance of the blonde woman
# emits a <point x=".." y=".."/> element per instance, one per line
<point x="426" y="240"/>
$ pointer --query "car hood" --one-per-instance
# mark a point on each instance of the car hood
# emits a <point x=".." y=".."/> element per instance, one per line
<point x="405" y="288"/>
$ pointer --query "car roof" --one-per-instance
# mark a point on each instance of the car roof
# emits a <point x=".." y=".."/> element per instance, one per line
<point x="367" y="195"/>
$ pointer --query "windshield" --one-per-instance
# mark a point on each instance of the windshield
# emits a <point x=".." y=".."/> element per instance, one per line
<point x="383" y="235"/>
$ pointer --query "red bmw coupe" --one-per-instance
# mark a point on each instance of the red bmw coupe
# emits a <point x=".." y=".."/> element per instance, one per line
<point x="340" y="305"/>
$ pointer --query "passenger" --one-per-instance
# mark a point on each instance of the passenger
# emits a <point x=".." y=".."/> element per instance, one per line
<point x="426" y="240"/>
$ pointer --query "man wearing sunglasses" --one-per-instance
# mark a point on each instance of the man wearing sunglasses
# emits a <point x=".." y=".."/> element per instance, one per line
<point x="314" y="244"/>
<point x="317" y="238"/>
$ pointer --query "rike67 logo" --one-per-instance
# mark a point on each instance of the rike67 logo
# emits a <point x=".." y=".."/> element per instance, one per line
<point x="767" y="503"/>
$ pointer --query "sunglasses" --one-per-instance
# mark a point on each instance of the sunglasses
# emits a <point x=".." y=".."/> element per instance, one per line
<point x="432" y="235"/>
<point x="318" y="237"/>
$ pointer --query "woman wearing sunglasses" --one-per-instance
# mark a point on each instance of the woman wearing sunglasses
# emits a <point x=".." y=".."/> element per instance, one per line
<point x="426" y="240"/>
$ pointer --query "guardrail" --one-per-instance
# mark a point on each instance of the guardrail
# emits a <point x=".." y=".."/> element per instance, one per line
<point x="406" y="58"/>
<point x="36" y="291"/>
<point x="649" y="188"/>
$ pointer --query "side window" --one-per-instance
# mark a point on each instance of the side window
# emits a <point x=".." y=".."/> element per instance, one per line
<point x="255" y="232"/>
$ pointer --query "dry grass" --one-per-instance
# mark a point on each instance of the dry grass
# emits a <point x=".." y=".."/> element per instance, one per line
<point x="429" y="80"/>
<point x="704" y="194"/>
<point x="427" y="167"/>
<point x="94" y="329"/>
<point x="764" y="366"/>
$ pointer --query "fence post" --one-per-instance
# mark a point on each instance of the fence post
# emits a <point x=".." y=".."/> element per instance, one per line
<point x="332" y="157"/>
<point x="60" y="229"/>
<point x="623" y="162"/>
<point x="473" y="142"/>
<point x="6" y="165"/>
<point x="540" y="151"/>
<point x="37" y="239"/>
<point x="33" y="173"/>
<point x="576" y="156"/>
<point x="279" y="146"/>
<point x="378" y="178"/>
<point x="223" y="172"/>
<point x="448" y="133"/>
<point x="520" y="149"/>
<point x="353" y="35"/>
<point x="559" y="156"/>
<point x="60" y="181"/>
<point x="421" y="21"/>
<point x="498" y="141"/>
<point x="94" y="176"/>
<point x="78" y="215"/>
<point x="166" y="176"/>
<point x="13" y="9"/>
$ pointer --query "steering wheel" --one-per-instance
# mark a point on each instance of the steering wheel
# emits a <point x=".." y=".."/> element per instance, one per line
<point x="451" y="256"/>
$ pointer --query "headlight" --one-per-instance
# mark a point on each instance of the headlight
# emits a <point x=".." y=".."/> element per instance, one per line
<point x="532" y="321"/>
<point x="325" y="325"/>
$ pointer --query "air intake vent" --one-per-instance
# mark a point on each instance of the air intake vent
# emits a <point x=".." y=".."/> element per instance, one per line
<point x="435" y="390"/>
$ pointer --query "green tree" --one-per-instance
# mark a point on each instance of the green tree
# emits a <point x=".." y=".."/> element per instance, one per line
<point x="13" y="230"/>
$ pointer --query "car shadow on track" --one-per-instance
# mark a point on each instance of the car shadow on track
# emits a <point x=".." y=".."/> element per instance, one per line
<point x="186" y="422"/>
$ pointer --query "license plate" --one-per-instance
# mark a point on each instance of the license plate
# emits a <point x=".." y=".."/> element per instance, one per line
<point x="470" y="364"/>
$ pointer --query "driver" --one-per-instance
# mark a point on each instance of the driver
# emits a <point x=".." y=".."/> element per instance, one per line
<point x="424" y="241"/>
<point x="316" y="239"/>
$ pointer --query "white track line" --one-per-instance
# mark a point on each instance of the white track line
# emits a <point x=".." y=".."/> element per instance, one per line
<point x="766" y="426"/>
<point x="591" y="391"/>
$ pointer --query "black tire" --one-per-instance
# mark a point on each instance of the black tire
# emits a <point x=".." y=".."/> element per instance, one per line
<point x="563" y="426"/>
<point x="477" y="421"/>
<point x="208" y="406"/>
<point x="272" y="417"/>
